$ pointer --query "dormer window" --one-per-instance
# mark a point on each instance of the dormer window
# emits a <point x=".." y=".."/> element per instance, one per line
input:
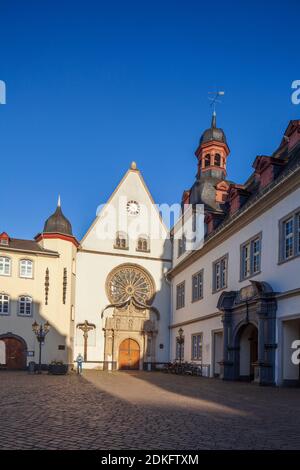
<point x="207" y="160"/>
<point x="4" y="239"/>
<point x="121" y="241"/>
<point x="217" y="159"/>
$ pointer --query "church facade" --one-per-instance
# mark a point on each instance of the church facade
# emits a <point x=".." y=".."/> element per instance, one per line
<point x="132" y="294"/>
<point x="122" y="292"/>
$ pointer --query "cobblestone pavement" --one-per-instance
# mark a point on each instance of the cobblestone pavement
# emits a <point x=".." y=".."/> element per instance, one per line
<point x="140" y="410"/>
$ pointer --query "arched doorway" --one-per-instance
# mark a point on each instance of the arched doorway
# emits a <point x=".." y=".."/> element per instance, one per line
<point x="129" y="355"/>
<point x="247" y="338"/>
<point x="15" y="352"/>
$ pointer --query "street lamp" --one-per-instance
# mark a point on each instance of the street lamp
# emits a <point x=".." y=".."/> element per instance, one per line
<point x="180" y="341"/>
<point x="40" y="332"/>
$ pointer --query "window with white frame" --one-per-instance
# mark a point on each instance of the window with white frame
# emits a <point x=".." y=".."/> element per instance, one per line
<point x="251" y="257"/>
<point x="26" y="268"/>
<point x="290" y="237"/>
<point x="197" y="347"/>
<point x="5" y="266"/>
<point x="25" y="306"/>
<point x="180" y="294"/>
<point x="4" y="304"/>
<point x="220" y="268"/>
<point x="197" y="286"/>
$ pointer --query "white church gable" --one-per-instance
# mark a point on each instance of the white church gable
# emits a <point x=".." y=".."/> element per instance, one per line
<point x="122" y="293"/>
<point x="131" y="211"/>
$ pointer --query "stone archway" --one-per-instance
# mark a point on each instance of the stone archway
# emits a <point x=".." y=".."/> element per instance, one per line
<point x="246" y="341"/>
<point x="253" y="304"/>
<point x="15" y="352"/>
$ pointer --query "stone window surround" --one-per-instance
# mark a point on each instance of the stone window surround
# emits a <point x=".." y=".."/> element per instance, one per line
<point x="252" y="274"/>
<point x="144" y="238"/>
<point x="121" y="236"/>
<point x="201" y="271"/>
<point x="281" y="258"/>
<point x="177" y="286"/>
<point x="192" y="352"/>
<point x="214" y="264"/>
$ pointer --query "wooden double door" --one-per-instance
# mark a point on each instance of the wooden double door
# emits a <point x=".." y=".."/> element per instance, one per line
<point x="129" y="355"/>
<point x="15" y="353"/>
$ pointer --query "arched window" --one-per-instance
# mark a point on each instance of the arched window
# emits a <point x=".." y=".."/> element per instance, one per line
<point x="217" y="159"/>
<point x="26" y="268"/>
<point x="143" y="243"/>
<point x="4" y="304"/>
<point x="207" y="160"/>
<point x="25" y="306"/>
<point x="121" y="241"/>
<point x="5" y="266"/>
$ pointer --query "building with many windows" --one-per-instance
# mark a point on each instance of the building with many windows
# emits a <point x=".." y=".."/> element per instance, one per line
<point x="37" y="284"/>
<point x="237" y="298"/>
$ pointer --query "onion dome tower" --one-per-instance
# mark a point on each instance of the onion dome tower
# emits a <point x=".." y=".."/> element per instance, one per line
<point x="212" y="154"/>
<point x="57" y="226"/>
<point x="212" y="151"/>
<point x="57" y="222"/>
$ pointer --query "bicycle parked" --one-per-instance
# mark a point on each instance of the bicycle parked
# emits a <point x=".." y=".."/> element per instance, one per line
<point x="183" y="368"/>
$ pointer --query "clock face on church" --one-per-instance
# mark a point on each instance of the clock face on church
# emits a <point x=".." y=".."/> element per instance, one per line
<point x="133" y="208"/>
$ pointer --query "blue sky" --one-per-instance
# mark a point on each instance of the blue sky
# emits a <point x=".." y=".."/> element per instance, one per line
<point x="93" y="85"/>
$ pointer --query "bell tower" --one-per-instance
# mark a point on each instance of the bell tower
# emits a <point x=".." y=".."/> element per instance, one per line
<point x="212" y="152"/>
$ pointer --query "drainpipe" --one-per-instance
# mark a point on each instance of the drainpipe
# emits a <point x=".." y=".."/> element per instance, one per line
<point x="170" y="283"/>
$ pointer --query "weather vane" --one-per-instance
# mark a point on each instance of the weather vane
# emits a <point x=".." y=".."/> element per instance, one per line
<point x="214" y="99"/>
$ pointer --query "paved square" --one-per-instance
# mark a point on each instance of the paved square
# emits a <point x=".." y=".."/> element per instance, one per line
<point x="141" y="410"/>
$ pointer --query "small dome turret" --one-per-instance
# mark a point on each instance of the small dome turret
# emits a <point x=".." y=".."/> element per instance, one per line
<point x="214" y="133"/>
<point x="58" y="223"/>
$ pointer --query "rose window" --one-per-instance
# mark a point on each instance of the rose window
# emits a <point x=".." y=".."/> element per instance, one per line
<point x="127" y="282"/>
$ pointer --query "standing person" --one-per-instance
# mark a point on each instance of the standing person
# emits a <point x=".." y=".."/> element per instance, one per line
<point x="79" y="361"/>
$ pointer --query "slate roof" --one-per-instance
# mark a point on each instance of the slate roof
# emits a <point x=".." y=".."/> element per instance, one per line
<point x="17" y="244"/>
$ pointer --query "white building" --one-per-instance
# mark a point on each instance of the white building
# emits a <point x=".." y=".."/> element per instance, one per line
<point x="122" y="296"/>
<point x="237" y="299"/>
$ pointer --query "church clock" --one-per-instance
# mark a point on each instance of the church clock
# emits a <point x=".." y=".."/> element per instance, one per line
<point x="133" y="208"/>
